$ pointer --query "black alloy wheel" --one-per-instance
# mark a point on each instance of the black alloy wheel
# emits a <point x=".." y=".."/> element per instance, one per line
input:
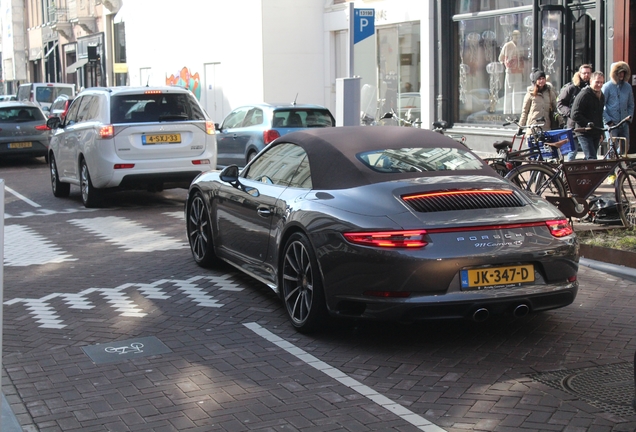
<point x="60" y="190"/>
<point x="301" y="284"/>
<point x="199" y="231"/>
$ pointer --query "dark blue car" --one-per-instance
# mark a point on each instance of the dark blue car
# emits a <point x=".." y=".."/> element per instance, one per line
<point x="248" y="129"/>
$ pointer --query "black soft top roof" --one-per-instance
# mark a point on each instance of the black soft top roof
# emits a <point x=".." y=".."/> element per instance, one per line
<point x="332" y="152"/>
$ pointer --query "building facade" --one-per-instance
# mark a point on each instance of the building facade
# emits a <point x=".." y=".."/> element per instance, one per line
<point x="493" y="45"/>
<point x="70" y="41"/>
<point x="464" y="61"/>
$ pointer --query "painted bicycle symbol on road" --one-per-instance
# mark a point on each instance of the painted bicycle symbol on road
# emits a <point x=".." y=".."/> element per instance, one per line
<point x="135" y="348"/>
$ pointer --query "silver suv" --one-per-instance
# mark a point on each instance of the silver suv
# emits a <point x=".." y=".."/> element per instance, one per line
<point x="151" y="138"/>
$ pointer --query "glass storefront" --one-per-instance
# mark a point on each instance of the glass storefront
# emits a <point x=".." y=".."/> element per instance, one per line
<point x="399" y="70"/>
<point x="495" y="57"/>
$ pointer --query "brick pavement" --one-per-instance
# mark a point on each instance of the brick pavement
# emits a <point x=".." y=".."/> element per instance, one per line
<point x="222" y="375"/>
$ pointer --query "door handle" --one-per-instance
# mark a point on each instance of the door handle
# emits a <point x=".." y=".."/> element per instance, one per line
<point x="264" y="212"/>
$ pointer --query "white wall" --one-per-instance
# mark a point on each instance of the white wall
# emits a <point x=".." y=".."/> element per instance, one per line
<point x="293" y="46"/>
<point x="263" y="50"/>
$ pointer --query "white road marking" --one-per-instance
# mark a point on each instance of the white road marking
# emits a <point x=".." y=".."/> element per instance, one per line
<point x="117" y="298"/>
<point x="127" y="234"/>
<point x="177" y="215"/>
<point x="366" y="391"/>
<point x="24" y="247"/>
<point x="22" y="197"/>
<point x="45" y="212"/>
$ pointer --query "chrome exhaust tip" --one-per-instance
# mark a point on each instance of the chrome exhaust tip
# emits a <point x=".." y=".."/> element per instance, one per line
<point x="481" y="315"/>
<point x="521" y="310"/>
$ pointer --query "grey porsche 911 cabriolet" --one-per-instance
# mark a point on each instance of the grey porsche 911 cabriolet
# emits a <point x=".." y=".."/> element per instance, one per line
<point x="383" y="223"/>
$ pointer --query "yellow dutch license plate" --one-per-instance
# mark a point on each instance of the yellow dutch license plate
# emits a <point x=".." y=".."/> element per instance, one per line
<point x="497" y="276"/>
<point x="19" y="145"/>
<point x="161" y="138"/>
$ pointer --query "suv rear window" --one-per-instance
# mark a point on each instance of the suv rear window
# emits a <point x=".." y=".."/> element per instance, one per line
<point x="20" y="114"/>
<point x="49" y="93"/>
<point x="303" y="118"/>
<point x="141" y="108"/>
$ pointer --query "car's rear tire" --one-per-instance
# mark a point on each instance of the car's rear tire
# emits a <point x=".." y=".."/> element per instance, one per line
<point x="301" y="284"/>
<point x="60" y="190"/>
<point x="91" y="197"/>
<point x="199" y="231"/>
<point x="250" y="156"/>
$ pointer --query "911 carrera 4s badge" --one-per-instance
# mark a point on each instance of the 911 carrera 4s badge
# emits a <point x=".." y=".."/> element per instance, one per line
<point x="497" y="277"/>
<point x="496" y="240"/>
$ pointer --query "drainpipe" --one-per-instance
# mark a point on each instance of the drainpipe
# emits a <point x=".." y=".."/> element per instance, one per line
<point x="538" y="31"/>
<point x="438" y="58"/>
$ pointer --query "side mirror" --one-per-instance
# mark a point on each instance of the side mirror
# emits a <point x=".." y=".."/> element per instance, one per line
<point x="217" y="126"/>
<point x="53" y="123"/>
<point x="230" y="174"/>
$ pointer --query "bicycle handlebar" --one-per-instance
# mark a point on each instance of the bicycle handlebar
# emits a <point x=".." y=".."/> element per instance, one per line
<point x="590" y="126"/>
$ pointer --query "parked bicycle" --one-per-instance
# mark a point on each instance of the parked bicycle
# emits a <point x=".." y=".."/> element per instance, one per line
<point x="569" y="185"/>
<point x="440" y="127"/>
<point x="507" y="158"/>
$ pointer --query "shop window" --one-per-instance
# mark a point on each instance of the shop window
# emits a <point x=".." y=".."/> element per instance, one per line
<point x="399" y="70"/>
<point x="495" y="59"/>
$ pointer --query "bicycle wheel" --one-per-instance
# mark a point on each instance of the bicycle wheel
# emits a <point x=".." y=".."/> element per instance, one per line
<point x="537" y="179"/>
<point x="626" y="197"/>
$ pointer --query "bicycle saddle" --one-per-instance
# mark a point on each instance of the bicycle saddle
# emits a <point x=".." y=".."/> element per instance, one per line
<point x="502" y="145"/>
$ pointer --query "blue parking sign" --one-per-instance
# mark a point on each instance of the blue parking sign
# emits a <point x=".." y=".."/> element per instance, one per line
<point x="363" y="24"/>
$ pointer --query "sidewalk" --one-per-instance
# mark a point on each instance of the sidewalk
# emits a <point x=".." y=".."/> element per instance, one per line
<point x="8" y="422"/>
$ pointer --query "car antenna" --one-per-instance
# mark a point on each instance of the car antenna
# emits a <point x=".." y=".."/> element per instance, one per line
<point x="294" y="102"/>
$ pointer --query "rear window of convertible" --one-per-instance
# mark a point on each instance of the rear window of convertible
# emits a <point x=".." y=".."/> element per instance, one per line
<point x="420" y="160"/>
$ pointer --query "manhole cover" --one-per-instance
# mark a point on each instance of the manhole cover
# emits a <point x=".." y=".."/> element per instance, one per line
<point x="126" y="349"/>
<point x="609" y="387"/>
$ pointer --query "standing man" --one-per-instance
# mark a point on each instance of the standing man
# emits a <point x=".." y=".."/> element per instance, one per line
<point x="580" y="80"/>
<point x="588" y="108"/>
<point x="619" y="101"/>
<point x="512" y="57"/>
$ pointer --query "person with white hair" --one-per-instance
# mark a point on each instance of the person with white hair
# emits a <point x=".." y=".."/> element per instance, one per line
<point x="619" y="101"/>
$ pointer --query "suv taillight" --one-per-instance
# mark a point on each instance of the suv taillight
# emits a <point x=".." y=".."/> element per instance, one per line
<point x="270" y="135"/>
<point x="106" y="131"/>
<point x="209" y="127"/>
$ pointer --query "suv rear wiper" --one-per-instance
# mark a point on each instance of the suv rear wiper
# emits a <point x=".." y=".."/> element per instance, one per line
<point x="173" y="117"/>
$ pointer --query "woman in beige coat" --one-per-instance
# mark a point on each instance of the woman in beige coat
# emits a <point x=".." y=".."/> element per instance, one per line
<point x="540" y="101"/>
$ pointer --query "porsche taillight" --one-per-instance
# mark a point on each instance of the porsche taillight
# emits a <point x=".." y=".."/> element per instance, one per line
<point x="560" y="227"/>
<point x="389" y="239"/>
<point x="270" y="135"/>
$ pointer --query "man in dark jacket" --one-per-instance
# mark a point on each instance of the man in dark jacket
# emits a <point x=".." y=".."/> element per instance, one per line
<point x="588" y="108"/>
<point x="568" y="93"/>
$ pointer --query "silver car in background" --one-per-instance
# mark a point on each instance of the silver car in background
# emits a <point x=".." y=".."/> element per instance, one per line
<point x="115" y="138"/>
<point x="23" y="130"/>
<point x="248" y="129"/>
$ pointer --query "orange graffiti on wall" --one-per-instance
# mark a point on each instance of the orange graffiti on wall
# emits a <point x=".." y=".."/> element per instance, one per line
<point x="188" y="80"/>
